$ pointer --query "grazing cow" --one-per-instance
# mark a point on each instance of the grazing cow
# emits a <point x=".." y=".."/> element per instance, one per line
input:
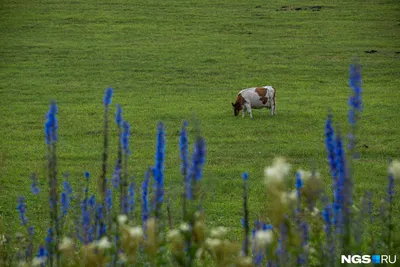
<point x="255" y="97"/>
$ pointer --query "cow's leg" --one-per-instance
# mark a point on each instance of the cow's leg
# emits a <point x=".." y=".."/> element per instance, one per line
<point x="243" y="111"/>
<point x="273" y="106"/>
<point x="248" y="107"/>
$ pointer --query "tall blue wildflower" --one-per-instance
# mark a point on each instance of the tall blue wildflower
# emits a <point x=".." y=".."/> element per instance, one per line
<point x="102" y="178"/>
<point x="159" y="168"/>
<point x="51" y="125"/>
<point x="245" y="177"/>
<point x="355" y="100"/>
<point x="51" y="137"/>
<point x="131" y="198"/>
<point x="305" y="240"/>
<point x="29" y="247"/>
<point x="66" y="197"/>
<point x="86" y="190"/>
<point x="344" y="193"/>
<point x="355" y="104"/>
<point x="116" y="177"/>
<point x="184" y="154"/>
<point x="42" y="254"/>
<point x="92" y="202"/>
<point x="107" y="97"/>
<point x="327" y="215"/>
<point x="330" y="144"/>
<point x="339" y="202"/>
<point x="281" y="251"/>
<point x="299" y="185"/>
<point x="100" y="225"/>
<point x="86" y="225"/>
<point x="145" y="197"/>
<point x="118" y="115"/>
<point x="184" y="149"/>
<point x="125" y="137"/>
<point x="50" y="246"/>
<point x="196" y="168"/>
<point x="109" y="200"/>
<point x="198" y="158"/>
<point x="21" y="207"/>
<point x="34" y="185"/>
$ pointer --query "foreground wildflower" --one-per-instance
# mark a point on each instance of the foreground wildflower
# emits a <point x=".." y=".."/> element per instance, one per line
<point x="131" y="240"/>
<point x="275" y="174"/>
<point x="394" y="169"/>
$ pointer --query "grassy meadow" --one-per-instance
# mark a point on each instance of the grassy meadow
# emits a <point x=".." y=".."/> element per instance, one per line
<point x="168" y="60"/>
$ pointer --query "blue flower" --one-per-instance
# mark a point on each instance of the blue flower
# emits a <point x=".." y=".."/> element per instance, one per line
<point x="118" y="116"/>
<point x="116" y="177"/>
<point x="184" y="148"/>
<point x="87" y="175"/>
<point x="159" y="166"/>
<point x="43" y="254"/>
<point x="299" y="185"/>
<point x="109" y="200"/>
<point x="299" y="181"/>
<point x="51" y="125"/>
<point x="86" y="224"/>
<point x="125" y="137"/>
<point x="92" y="202"/>
<point x="245" y="176"/>
<point x="198" y="158"/>
<point x="107" y="97"/>
<point x="330" y="146"/>
<point x="355" y="100"/>
<point x="196" y="168"/>
<point x="22" y="210"/>
<point x="131" y="198"/>
<point x="101" y="226"/>
<point x="49" y="237"/>
<point x="66" y="197"/>
<point x="145" y="197"/>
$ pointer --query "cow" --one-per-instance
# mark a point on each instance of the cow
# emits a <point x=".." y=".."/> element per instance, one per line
<point x="255" y="97"/>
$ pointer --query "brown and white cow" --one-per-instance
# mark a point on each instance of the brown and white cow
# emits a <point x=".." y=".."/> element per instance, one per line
<point x="255" y="97"/>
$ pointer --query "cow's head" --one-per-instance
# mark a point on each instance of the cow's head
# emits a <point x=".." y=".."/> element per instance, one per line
<point x="236" y="108"/>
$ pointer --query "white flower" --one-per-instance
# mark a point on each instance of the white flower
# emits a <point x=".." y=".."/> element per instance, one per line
<point x="184" y="227"/>
<point x="247" y="261"/>
<point x="3" y="239"/>
<point x="289" y="197"/>
<point x="136" y="232"/>
<point x="307" y="175"/>
<point x="278" y="171"/>
<point x="122" y="219"/>
<point x="263" y="238"/>
<point x="219" y="231"/>
<point x="199" y="253"/>
<point x="315" y="212"/>
<point x="122" y="257"/>
<point x="66" y="243"/>
<point x="37" y="261"/>
<point x="394" y="169"/>
<point x="103" y="243"/>
<point x="173" y="234"/>
<point x="213" y="242"/>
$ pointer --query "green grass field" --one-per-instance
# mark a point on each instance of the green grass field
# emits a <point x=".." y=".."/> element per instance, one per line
<point x="169" y="59"/>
